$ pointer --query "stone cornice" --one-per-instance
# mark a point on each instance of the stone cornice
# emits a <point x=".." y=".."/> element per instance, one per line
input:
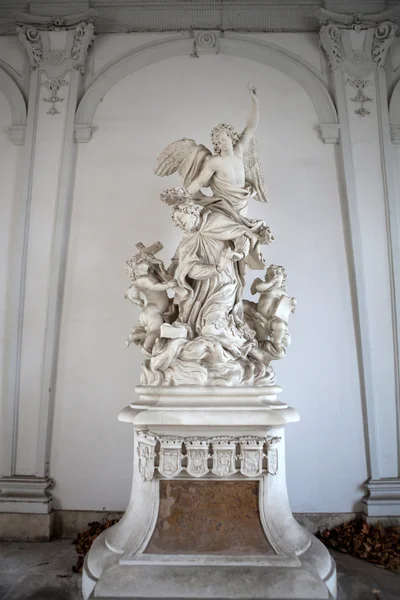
<point x="63" y="23"/>
<point x="357" y="21"/>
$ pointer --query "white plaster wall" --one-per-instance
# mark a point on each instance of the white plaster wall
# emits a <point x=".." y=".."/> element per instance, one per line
<point x="116" y="204"/>
<point x="14" y="60"/>
<point x="305" y="46"/>
<point x="8" y="177"/>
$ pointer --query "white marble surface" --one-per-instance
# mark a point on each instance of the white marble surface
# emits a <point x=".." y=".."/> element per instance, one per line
<point x="205" y="419"/>
<point x="204" y="333"/>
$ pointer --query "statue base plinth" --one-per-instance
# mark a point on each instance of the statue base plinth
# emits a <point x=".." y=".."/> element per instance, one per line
<point x="209" y="514"/>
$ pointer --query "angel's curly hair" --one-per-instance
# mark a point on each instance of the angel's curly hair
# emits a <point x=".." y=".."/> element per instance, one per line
<point x="274" y="270"/>
<point x="131" y="266"/>
<point x="216" y="133"/>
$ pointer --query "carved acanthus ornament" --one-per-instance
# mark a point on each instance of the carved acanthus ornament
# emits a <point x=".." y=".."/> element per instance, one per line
<point x="198" y="456"/>
<point x="53" y="85"/>
<point x="360" y="53"/>
<point x="43" y="51"/>
<point x="383" y="37"/>
<point x="355" y="58"/>
<point x="32" y="41"/>
<point x="360" y="84"/>
<point x="83" y="38"/>
<point x="331" y="42"/>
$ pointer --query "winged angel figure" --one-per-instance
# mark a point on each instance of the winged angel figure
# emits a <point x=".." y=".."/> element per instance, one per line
<point x="234" y="173"/>
<point x="209" y="341"/>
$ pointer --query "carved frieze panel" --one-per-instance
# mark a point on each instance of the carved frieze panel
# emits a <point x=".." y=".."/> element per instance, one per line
<point x="272" y="455"/>
<point x="248" y="456"/>
<point x="197" y="457"/>
<point x="147" y="454"/>
<point x="170" y="457"/>
<point x="224" y="457"/>
<point x="251" y="456"/>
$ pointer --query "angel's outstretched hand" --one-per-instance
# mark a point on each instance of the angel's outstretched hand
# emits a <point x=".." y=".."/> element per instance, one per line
<point x="252" y="91"/>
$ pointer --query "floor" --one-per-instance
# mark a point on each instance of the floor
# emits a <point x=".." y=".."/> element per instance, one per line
<point x="43" y="571"/>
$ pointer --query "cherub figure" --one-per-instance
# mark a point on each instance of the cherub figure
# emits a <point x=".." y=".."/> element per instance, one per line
<point x="148" y="292"/>
<point x="270" y="316"/>
<point x="233" y="173"/>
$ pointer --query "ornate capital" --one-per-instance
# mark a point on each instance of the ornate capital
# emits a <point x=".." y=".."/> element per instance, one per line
<point x="59" y="52"/>
<point x="383" y="37"/>
<point x="360" y="52"/>
<point x="331" y="41"/>
<point x="197" y="456"/>
<point x="83" y="37"/>
<point x="32" y="41"/>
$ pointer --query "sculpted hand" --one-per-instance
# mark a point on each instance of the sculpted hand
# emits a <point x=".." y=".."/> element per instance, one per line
<point x="231" y="254"/>
<point x="252" y="91"/>
<point x="172" y="284"/>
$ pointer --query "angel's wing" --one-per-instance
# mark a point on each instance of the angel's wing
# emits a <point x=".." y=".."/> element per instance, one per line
<point x="178" y="156"/>
<point x="253" y="171"/>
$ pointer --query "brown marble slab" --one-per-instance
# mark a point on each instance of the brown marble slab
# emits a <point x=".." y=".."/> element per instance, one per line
<point x="217" y="517"/>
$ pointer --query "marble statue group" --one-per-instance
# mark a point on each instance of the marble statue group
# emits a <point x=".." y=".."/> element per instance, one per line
<point x="207" y="417"/>
<point x="195" y="328"/>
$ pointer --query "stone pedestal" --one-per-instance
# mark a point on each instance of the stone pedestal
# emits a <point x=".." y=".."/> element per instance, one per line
<point x="209" y="514"/>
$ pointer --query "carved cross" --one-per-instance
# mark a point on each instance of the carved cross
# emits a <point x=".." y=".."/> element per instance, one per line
<point x="147" y="254"/>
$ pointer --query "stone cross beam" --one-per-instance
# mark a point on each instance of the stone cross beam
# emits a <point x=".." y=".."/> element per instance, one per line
<point x="147" y="254"/>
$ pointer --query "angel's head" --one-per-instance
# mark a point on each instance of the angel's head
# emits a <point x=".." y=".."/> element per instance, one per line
<point x="136" y="267"/>
<point x="186" y="215"/>
<point x="277" y="273"/>
<point x="223" y="138"/>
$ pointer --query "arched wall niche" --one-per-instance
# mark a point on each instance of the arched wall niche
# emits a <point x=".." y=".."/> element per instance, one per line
<point x="229" y="44"/>
<point x="116" y="204"/>
<point x="10" y="89"/>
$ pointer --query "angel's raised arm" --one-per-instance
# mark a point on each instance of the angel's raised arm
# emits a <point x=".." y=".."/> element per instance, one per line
<point x="252" y="122"/>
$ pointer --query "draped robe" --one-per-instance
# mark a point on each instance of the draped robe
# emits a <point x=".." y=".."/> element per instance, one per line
<point x="206" y="295"/>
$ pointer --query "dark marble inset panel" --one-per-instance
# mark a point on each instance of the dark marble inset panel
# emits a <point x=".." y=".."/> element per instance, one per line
<point x="217" y="517"/>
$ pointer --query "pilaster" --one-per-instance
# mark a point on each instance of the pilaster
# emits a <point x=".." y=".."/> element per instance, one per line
<point x="57" y="53"/>
<point x="357" y="51"/>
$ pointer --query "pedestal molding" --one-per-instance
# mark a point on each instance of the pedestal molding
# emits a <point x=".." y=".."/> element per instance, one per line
<point x="20" y="494"/>
<point x="383" y="499"/>
<point x="127" y="547"/>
